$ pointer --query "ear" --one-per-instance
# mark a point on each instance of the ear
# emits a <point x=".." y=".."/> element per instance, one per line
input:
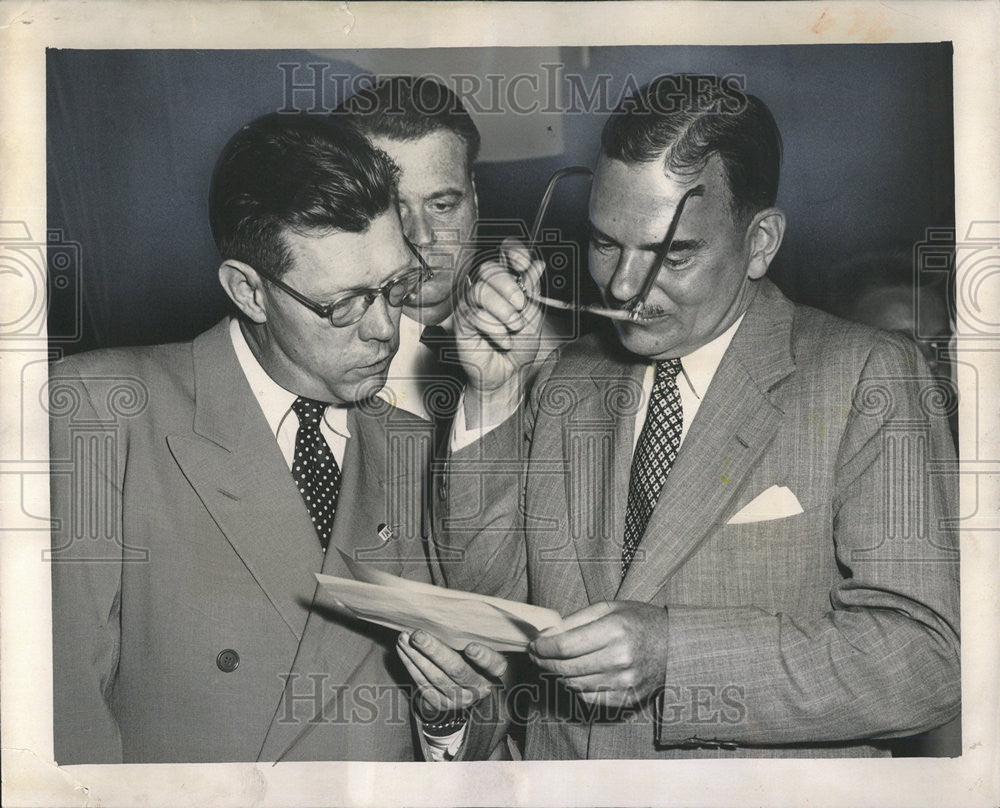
<point x="245" y="288"/>
<point x="764" y="236"/>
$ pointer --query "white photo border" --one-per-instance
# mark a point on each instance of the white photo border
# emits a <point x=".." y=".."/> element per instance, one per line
<point x="30" y="776"/>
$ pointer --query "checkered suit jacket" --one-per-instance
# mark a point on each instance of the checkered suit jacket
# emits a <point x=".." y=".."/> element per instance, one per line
<point x="817" y="634"/>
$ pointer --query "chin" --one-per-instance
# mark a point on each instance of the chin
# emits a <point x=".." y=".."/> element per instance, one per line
<point x="432" y="315"/>
<point x="365" y="389"/>
<point x="639" y="341"/>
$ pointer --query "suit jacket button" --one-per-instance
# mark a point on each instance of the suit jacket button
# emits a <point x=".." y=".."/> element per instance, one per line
<point x="227" y="660"/>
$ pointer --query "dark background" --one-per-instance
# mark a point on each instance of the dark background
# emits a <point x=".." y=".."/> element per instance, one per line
<point x="133" y="136"/>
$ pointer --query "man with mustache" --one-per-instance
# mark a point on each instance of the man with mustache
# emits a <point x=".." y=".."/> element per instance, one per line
<point x="743" y="508"/>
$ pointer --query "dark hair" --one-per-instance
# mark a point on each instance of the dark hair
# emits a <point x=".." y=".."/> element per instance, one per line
<point x="685" y="119"/>
<point x="294" y="172"/>
<point x="409" y="107"/>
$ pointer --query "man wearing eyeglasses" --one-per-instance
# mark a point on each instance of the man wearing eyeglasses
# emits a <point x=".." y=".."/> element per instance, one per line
<point x="744" y="509"/>
<point x="187" y="622"/>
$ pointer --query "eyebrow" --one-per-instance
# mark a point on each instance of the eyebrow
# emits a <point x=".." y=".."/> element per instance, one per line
<point x="677" y="245"/>
<point x="446" y="192"/>
<point x="329" y="298"/>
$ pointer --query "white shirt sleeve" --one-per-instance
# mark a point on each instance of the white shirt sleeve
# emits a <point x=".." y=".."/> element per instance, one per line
<point x="461" y="436"/>
<point x="444" y="748"/>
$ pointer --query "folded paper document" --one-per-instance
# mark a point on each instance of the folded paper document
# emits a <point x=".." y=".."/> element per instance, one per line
<point x="455" y="617"/>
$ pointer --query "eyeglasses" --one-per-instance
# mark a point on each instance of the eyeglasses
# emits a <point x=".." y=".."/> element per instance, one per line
<point x="635" y="308"/>
<point x="348" y="308"/>
<point x="637" y="305"/>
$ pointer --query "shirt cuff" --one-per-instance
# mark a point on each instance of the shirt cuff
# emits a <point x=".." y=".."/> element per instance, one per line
<point x="439" y="748"/>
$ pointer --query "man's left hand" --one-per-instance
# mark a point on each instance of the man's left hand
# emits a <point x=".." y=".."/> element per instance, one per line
<point x="613" y="653"/>
<point x="447" y="680"/>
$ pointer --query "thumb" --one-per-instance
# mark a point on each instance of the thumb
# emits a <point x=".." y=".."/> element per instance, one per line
<point x="586" y="615"/>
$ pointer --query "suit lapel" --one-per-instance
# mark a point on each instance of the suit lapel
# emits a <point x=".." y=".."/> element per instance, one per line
<point x="329" y="645"/>
<point x="363" y="503"/>
<point x="737" y="419"/>
<point x="234" y="464"/>
<point x="597" y="446"/>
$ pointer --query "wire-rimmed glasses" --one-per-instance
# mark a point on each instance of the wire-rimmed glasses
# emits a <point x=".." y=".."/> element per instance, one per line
<point x="634" y="309"/>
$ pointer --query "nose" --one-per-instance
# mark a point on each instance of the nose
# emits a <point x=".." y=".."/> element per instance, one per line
<point x="418" y="229"/>
<point x="630" y="273"/>
<point x="379" y="323"/>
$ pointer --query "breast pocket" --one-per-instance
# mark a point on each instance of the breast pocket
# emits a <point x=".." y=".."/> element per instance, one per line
<point x="781" y="565"/>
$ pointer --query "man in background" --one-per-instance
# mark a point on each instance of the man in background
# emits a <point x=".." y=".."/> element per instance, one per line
<point x="427" y="131"/>
<point x="885" y="294"/>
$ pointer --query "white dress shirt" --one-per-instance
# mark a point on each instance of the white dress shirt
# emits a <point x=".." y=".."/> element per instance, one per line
<point x="697" y="371"/>
<point x="413" y="366"/>
<point x="276" y="404"/>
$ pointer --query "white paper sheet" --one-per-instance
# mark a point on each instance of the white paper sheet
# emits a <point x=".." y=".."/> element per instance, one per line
<point x="455" y="617"/>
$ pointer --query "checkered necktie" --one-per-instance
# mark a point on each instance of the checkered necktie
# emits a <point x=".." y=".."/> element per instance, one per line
<point x="314" y="467"/>
<point x="654" y="455"/>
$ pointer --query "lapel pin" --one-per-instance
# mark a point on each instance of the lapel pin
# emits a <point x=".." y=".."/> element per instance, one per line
<point x="384" y="532"/>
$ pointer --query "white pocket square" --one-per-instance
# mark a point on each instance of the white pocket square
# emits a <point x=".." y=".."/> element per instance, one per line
<point x="776" y="502"/>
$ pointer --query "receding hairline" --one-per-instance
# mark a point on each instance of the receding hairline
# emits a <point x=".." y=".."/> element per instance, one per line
<point x="377" y="138"/>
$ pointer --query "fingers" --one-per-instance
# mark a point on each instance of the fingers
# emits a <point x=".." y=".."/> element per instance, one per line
<point x="598" y="662"/>
<point x="577" y="642"/>
<point x="490" y="662"/>
<point x="443" y="668"/>
<point x="449" y="662"/>
<point x="492" y="301"/>
<point x="436" y="687"/>
<point x="530" y="266"/>
<point x="496" y="303"/>
<point x="524" y="271"/>
<point x="417" y="675"/>
<point x="581" y="633"/>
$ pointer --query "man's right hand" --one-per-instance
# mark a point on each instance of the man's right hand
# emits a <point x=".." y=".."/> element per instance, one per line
<point x="497" y="324"/>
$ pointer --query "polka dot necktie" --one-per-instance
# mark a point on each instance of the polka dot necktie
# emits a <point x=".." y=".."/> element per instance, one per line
<point x="314" y="467"/>
<point x="654" y="455"/>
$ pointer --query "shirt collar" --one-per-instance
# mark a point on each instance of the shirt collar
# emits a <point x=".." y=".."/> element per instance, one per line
<point x="274" y="400"/>
<point x="404" y="365"/>
<point x="700" y="365"/>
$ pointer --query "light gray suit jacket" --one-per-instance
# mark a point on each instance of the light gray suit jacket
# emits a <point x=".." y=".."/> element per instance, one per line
<point x="181" y="534"/>
<point x="809" y="635"/>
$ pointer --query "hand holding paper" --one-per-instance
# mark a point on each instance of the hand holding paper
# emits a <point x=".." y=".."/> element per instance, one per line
<point x="447" y="680"/>
<point x="456" y="618"/>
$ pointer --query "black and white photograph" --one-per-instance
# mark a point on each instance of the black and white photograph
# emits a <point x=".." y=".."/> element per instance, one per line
<point x="494" y="403"/>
